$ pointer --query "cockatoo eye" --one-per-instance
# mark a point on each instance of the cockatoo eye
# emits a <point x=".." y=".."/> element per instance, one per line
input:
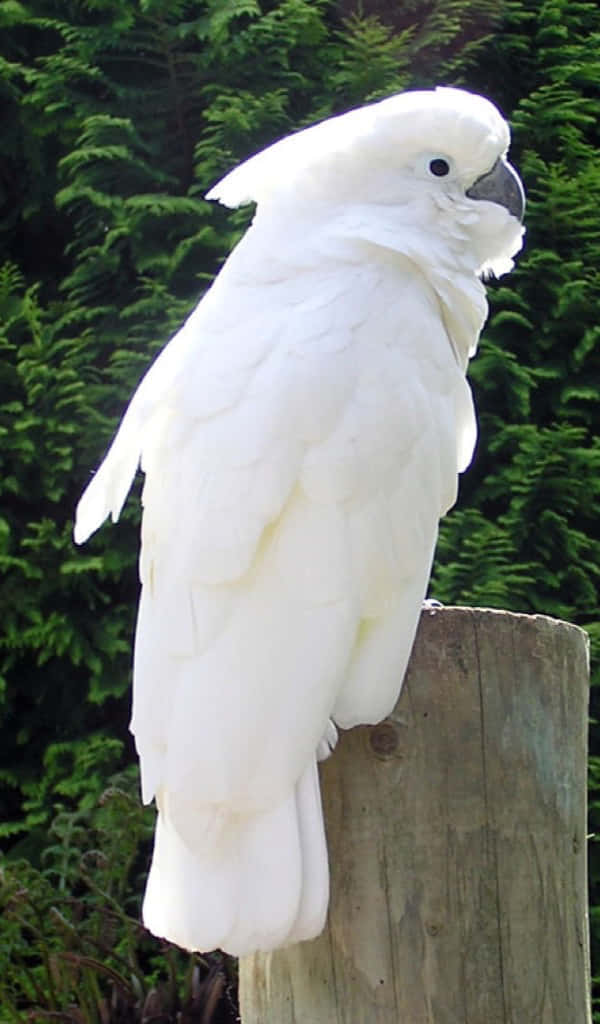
<point x="439" y="167"/>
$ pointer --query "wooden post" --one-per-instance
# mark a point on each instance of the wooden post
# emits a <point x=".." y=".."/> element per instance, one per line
<point x="457" y="843"/>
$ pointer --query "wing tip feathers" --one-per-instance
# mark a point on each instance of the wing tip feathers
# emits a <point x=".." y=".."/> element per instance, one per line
<point x="93" y="508"/>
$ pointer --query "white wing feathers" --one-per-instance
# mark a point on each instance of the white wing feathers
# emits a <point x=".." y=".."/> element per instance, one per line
<point x="293" y="486"/>
<point x="108" y="489"/>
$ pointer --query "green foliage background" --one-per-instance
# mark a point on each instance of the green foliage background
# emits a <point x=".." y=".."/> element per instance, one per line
<point x="118" y="115"/>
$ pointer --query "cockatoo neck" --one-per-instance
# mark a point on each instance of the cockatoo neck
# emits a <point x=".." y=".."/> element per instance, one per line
<point x="359" y="232"/>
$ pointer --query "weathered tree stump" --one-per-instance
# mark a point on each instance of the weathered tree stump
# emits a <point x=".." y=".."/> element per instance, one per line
<point x="457" y="843"/>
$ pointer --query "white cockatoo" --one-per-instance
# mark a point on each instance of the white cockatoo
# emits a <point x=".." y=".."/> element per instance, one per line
<point x="301" y="436"/>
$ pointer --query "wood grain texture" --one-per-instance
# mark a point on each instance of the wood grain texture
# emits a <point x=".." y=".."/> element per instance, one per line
<point x="456" y="833"/>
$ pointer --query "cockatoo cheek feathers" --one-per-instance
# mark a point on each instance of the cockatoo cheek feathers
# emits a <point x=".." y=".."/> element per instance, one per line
<point x="496" y="236"/>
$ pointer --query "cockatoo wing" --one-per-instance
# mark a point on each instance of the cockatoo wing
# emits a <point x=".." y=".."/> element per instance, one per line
<point x="299" y="441"/>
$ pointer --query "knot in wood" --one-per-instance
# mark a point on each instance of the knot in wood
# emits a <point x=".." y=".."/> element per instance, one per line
<point x="433" y="928"/>
<point x="384" y="740"/>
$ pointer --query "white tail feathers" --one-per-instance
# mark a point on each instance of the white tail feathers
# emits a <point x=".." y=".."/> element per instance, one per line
<point x="265" y="885"/>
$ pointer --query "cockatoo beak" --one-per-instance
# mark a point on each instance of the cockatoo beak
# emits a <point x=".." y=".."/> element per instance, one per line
<point x="501" y="185"/>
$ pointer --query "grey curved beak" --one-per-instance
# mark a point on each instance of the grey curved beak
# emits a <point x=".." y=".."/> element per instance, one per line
<point x="501" y="185"/>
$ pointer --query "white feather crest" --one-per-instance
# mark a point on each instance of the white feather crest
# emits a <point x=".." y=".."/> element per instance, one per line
<point x="383" y="131"/>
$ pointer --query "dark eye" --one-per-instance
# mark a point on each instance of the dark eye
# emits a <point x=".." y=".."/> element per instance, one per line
<point x="439" y="167"/>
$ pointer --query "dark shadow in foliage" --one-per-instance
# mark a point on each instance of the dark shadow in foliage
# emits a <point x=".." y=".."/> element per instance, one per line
<point x="72" y="947"/>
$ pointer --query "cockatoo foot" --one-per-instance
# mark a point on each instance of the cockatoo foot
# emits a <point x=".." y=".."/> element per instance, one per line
<point x="328" y="742"/>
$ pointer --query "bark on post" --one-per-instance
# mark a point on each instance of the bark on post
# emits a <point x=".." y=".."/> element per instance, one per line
<point x="457" y="843"/>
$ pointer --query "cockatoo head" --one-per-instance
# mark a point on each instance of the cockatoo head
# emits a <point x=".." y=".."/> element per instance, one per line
<point x="436" y="159"/>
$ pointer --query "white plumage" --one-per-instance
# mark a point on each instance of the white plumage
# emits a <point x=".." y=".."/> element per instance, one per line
<point x="300" y="437"/>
